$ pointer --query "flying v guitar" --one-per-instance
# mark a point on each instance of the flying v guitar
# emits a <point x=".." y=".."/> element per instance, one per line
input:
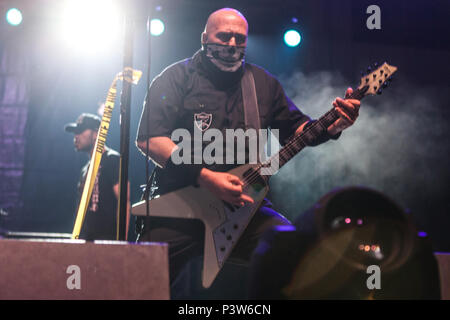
<point x="224" y="224"/>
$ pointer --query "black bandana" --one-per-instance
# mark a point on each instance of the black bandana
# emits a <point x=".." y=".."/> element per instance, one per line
<point x="226" y="58"/>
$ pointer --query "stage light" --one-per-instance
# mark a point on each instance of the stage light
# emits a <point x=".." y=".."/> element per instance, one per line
<point x="91" y="25"/>
<point x="14" y="16"/>
<point x="292" y="38"/>
<point x="156" y="27"/>
<point x="322" y="257"/>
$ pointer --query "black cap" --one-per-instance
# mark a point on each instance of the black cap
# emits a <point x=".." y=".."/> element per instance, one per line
<point x="84" y="121"/>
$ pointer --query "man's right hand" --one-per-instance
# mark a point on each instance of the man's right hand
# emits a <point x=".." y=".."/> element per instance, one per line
<point x="225" y="186"/>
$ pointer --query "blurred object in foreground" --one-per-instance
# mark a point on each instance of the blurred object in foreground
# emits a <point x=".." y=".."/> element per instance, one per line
<point x="328" y="251"/>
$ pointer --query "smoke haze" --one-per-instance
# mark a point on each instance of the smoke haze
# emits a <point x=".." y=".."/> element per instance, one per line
<point x="398" y="145"/>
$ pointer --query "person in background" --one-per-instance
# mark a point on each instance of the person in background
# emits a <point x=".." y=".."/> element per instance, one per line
<point x="101" y="216"/>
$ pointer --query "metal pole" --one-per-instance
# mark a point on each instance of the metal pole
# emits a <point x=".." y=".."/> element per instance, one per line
<point x="149" y="63"/>
<point x="125" y="112"/>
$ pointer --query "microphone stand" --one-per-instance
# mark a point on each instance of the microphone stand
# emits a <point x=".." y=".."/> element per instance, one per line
<point x="147" y="157"/>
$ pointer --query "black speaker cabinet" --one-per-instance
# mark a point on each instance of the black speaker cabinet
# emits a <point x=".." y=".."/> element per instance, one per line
<point x="75" y="269"/>
<point x="444" y="273"/>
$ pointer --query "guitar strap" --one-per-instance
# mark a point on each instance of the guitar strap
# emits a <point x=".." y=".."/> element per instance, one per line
<point x="250" y="104"/>
<point x="251" y="112"/>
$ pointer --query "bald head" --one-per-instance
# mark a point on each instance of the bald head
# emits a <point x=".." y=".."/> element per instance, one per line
<point x="226" y="26"/>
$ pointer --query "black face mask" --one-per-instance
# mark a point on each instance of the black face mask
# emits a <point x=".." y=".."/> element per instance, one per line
<point x="226" y="58"/>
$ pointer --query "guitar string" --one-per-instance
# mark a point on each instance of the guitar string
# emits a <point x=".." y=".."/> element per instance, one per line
<point x="295" y="143"/>
<point x="292" y="144"/>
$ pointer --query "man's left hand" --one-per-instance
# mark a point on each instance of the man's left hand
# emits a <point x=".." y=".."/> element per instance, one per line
<point x="348" y="110"/>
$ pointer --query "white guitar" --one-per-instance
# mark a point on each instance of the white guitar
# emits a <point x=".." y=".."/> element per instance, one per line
<point x="224" y="223"/>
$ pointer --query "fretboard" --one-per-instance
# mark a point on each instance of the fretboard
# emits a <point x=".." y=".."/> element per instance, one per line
<point x="298" y="142"/>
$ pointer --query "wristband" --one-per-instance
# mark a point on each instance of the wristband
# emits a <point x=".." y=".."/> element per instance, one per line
<point x="187" y="172"/>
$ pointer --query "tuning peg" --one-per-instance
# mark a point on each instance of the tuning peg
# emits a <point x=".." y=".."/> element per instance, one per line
<point x="369" y="69"/>
<point x="379" y="91"/>
<point x="385" y="84"/>
<point x="391" y="78"/>
<point x="375" y="65"/>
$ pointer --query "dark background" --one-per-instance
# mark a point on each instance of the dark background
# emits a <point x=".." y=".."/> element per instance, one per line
<point x="399" y="145"/>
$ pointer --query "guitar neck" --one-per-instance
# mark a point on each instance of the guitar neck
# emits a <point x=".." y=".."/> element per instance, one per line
<point x="298" y="142"/>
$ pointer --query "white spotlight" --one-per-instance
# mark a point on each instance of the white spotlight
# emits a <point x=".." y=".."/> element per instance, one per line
<point x="156" y="27"/>
<point x="292" y="38"/>
<point x="14" y="16"/>
<point x="90" y="25"/>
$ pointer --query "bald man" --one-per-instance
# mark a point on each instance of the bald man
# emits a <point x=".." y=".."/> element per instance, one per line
<point x="202" y="93"/>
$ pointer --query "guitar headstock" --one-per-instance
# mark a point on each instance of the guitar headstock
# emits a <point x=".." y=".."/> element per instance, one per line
<point x="376" y="78"/>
